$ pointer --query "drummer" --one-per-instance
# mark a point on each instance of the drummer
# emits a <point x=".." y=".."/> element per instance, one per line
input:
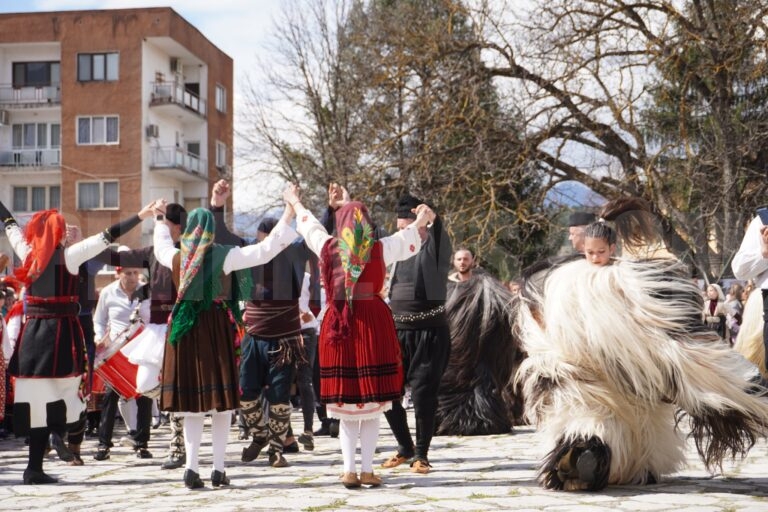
<point x="117" y="302"/>
<point x="162" y="293"/>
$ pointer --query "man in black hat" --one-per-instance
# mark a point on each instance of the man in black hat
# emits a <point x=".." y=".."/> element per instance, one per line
<point x="417" y="294"/>
<point x="577" y="223"/>
<point x="162" y="298"/>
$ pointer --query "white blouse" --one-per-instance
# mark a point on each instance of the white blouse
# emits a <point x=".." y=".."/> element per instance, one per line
<point x="74" y="255"/>
<point x="398" y="247"/>
<point x="237" y="258"/>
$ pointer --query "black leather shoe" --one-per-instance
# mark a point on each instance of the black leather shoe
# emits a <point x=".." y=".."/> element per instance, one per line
<point x="32" y="477"/>
<point x="333" y="428"/>
<point x="192" y="480"/>
<point x="143" y="453"/>
<point x="218" y="478"/>
<point x="174" y="461"/>
<point x="291" y="448"/>
<point x="322" y="431"/>
<point x="252" y="451"/>
<point x="102" y="454"/>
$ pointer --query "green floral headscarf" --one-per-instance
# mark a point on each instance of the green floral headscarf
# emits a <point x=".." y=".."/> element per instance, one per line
<point x="200" y="279"/>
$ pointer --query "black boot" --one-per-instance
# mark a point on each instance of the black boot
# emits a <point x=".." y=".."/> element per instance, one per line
<point x="192" y="480"/>
<point x="32" y="477"/>
<point x="219" y="478"/>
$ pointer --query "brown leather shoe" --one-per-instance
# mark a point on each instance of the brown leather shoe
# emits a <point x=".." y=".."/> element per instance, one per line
<point x="350" y="480"/>
<point x="394" y="461"/>
<point x="420" y="466"/>
<point x="276" y="460"/>
<point x="370" y="479"/>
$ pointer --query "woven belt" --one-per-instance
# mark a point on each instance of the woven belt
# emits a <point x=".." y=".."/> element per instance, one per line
<point x="417" y="317"/>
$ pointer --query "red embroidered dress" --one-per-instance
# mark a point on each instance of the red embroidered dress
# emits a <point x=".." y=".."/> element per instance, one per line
<point x="360" y="369"/>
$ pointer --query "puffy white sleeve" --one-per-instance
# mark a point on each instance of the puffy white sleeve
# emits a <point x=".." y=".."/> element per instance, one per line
<point x="100" y="317"/>
<point x="402" y="245"/>
<point x="6" y="342"/>
<point x="77" y="254"/>
<point x="16" y="237"/>
<point x="164" y="249"/>
<point x="13" y="329"/>
<point x="315" y="235"/>
<point x="748" y="262"/>
<point x="144" y="310"/>
<point x="239" y="258"/>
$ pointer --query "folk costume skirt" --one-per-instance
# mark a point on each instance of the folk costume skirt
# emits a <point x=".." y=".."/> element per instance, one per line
<point x="360" y="376"/>
<point x="199" y="373"/>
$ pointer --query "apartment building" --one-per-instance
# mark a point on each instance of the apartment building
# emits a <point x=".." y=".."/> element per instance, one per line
<point x="102" y="111"/>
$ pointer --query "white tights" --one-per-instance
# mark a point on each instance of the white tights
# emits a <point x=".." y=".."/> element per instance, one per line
<point x="349" y="431"/>
<point x="193" y="433"/>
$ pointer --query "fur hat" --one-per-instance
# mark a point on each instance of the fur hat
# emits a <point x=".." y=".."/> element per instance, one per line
<point x="176" y="213"/>
<point x="267" y="224"/>
<point x="405" y="204"/>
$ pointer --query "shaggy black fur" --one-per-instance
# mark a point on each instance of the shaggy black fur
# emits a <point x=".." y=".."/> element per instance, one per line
<point x="476" y="395"/>
<point x="718" y="435"/>
<point x="582" y="464"/>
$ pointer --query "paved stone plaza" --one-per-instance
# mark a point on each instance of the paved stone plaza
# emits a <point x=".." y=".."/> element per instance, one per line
<point x="469" y="474"/>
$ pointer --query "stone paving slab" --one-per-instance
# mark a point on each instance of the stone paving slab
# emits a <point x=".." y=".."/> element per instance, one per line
<point x="484" y="473"/>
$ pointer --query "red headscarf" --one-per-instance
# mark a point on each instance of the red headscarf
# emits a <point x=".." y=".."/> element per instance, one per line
<point x="44" y="232"/>
<point x="343" y="260"/>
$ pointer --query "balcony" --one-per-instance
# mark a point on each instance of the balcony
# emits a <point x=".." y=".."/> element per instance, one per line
<point x="30" y="97"/>
<point x="23" y="159"/>
<point x="177" y="163"/>
<point x="173" y="99"/>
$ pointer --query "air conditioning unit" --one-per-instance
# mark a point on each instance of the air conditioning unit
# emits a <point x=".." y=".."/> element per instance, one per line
<point x="175" y="65"/>
<point x="5" y="118"/>
<point x="153" y="131"/>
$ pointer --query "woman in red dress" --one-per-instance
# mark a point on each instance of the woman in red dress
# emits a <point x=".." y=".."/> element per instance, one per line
<point x="360" y="364"/>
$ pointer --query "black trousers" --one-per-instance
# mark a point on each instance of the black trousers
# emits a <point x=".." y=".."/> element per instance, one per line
<point x="425" y="357"/>
<point x="108" y="412"/>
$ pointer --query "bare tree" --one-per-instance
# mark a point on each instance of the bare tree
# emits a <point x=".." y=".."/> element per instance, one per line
<point x="588" y="75"/>
<point x="396" y="97"/>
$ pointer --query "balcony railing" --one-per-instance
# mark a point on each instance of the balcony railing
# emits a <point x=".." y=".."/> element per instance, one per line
<point x="30" y="158"/>
<point x="33" y="96"/>
<point x="176" y="158"/>
<point x="171" y="92"/>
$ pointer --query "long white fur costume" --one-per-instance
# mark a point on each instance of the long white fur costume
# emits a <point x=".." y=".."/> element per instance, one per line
<point x="614" y="353"/>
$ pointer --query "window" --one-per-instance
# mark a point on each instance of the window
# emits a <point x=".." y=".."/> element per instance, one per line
<point x="35" y="135"/>
<point x="34" y="199"/>
<point x="36" y="74"/>
<point x="221" y="154"/>
<point x="97" y="66"/>
<point x="98" y="195"/>
<point x="221" y="99"/>
<point x="98" y="130"/>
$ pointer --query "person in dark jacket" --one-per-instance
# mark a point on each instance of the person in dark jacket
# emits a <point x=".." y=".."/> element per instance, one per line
<point x="417" y="294"/>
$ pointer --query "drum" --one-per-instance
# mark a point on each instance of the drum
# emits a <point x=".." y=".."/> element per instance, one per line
<point x="98" y="388"/>
<point x="114" y="367"/>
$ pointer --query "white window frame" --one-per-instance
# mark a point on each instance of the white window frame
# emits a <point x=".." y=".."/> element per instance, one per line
<point x="28" y="188"/>
<point x="221" y="154"/>
<point x="91" y="119"/>
<point x="101" y="205"/>
<point x="221" y="98"/>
